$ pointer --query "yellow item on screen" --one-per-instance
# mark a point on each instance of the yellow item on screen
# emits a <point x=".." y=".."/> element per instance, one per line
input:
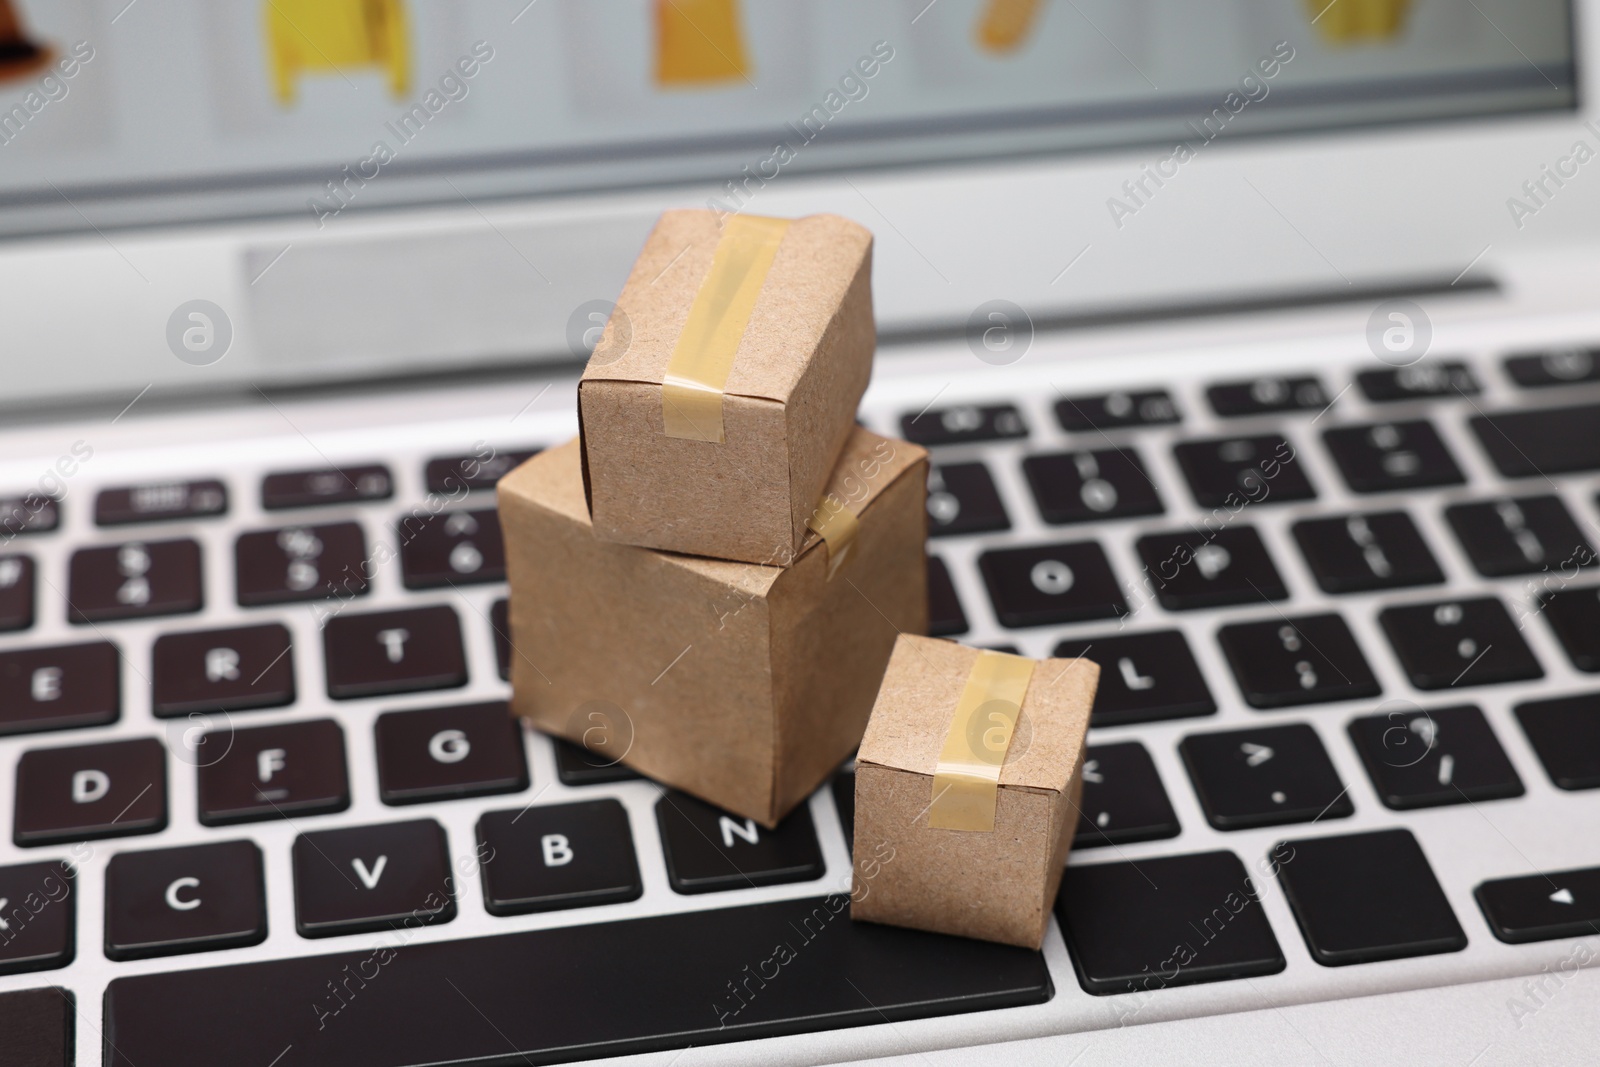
<point x="699" y="42"/>
<point x="1006" y="25"/>
<point x="1351" y="21"/>
<point x="335" y="35"/>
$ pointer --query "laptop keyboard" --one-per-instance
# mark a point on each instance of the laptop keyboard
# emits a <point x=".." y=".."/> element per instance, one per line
<point x="268" y="723"/>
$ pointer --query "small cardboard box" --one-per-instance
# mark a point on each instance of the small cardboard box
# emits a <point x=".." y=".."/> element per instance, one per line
<point x="745" y="685"/>
<point x="997" y="885"/>
<point x="800" y="361"/>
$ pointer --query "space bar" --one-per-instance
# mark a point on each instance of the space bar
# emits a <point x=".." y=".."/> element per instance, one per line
<point x="548" y="996"/>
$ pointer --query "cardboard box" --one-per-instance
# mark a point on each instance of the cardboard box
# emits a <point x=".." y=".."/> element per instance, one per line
<point x="741" y="485"/>
<point x="745" y="685"/>
<point x="998" y="885"/>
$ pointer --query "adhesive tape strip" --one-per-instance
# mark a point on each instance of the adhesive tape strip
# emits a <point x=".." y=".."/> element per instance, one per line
<point x="837" y="526"/>
<point x="691" y="391"/>
<point x="966" y="782"/>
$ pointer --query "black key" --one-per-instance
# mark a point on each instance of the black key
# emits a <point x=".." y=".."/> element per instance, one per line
<point x="1090" y="486"/>
<point x="954" y="426"/>
<point x="486" y="466"/>
<point x="684" y="984"/>
<point x="173" y="900"/>
<point x="134" y="580"/>
<point x="1235" y="472"/>
<point x="1363" y="553"/>
<point x="16" y="592"/>
<point x="1561" y="367"/>
<point x="1052" y="583"/>
<point x="1522" y="536"/>
<point x="1171" y="921"/>
<point x="290" y="770"/>
<point x="59" y="688"/>
<point x="1388" y="457"/>
<point x="500" y="623"/>
<point x="160" y="501"/>
<point x="962" y="499"/>
<point x="467" y="750"/>
<point x="394" y="875"/>
<point x="301" y="563"/>
<point x="1420" y="381"/>
<point x="1143" y="677"/>
<point x="29" y="513"/>
<point x="844" y="800"/>
<point x="945" y="617"/>
<point x="37" y="920"/>
<point x="1282" y="662"/>
<point x="90" y="791"/>
<point x="1542" y="907"/>
<point x="559" y="856"/>
<point x="708" y="850"/>
<point x="384" y="652"/>
<point x="1360" y="898"/>
<point x="1267" y="396"/>
<point x="1565" y="732"/>
<point x="1210" y="568"/>
<point x="1459" y="643"/>
<point x="1574" y="615"/>
<point x="1422" y="759"/>
<point x="326" y="485"/>
<point x="451" y="548"/>
<point x="1264" y="777"/>
<point x="1113" y="411"/>
<point x="1537" y="444"/>
<point x="1123" y="800"/>
<point x="222" y="670"/>
<point x="38" y="1025"/>
<point x="576" y="765"/>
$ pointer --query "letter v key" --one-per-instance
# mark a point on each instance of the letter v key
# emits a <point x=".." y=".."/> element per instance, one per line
<point x="369" y="878"/>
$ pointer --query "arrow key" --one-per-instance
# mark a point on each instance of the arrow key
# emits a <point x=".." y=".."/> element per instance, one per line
<point x="371" y="878"/>
<point x="1542" y="907"/>
<point x="1265" y="777"/>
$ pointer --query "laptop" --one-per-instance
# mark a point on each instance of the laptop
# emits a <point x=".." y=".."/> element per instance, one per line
<point x="1255" y="346"/>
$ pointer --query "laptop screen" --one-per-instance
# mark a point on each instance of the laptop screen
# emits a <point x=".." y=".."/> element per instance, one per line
<point x="124" y="113"/>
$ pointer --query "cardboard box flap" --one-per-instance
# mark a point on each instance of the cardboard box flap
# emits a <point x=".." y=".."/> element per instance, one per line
<point x="815" y="265"/>
<point x="918" y="699"/>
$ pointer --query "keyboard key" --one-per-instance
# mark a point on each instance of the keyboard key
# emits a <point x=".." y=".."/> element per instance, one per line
<point x="1264" y="777"/>
<point x="1360" y="898"/>
<point x="576" y="765"/>
<point x="59" y="688"/>
<point x="1541" y="443"/>
<point x="945" y="617"/>
<point x="384" y="652"/>
<point x="1267" y="396"/>
<point x="1392" y="456"/>
<point x="1123" y="800"/>
<point x="1574" y="615"/>
<point x="1114" y="411"/>
<point x="222" y="670"/>
<point x="557" y="856"/>
<point x="1459" y="643"/>
<point x="134" y="580"/>
<point x="960" y="425"/>
<point x="481" y="470"/>
<point x="175" y="900"/>
<point x="1143" y="677"/>
<point x="301" y="563"/>
<point x="671" y="992"/>
<point x="962" y="499"/>
<point x="1565" y="732"/>
<point x="290" y="770"/>
<point x="708" y="851"/>
<point x="16" y="592"/>
<point x="446" y="753"/>
<point x="1283" y="662"/>
<point x="29" y="513"/>
<point x="844" y="801"/>
<point x="393" y="875"/>
<point x="1051" y="583"/>
<point x="1561" y="367"/>
<point x="500" y="623"/>
<point x="37" y="920"/>
<point x="38" y="1024"/>
<point x="1235" y="472"/>
<point x="451" y="548"/>
<point x="1542" y="907"/>
<point x="90" y="791"/>
<point x="1368" y="552"/>
<point x="1420" y="381"/>
<point x="1422" y="759"/>
<point x="160" y="502"/>
<point x="1091" y="486"/>
<point x="1210" y="568"/>
<point x="1522" y="536"/>
<point x="327" y="485"/>
<point x="1132" y="927"/>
